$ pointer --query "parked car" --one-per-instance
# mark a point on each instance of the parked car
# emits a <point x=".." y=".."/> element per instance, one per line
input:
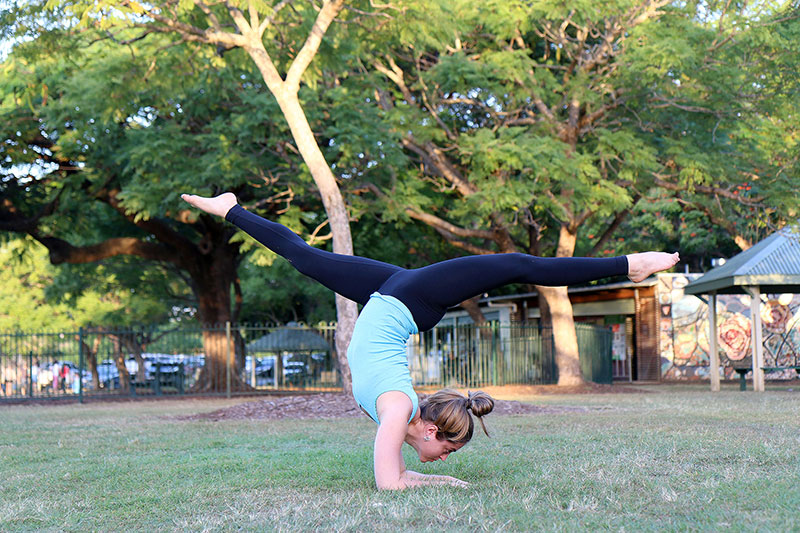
<point x="294" y="372"/>
<point x="265" y="370"/>
<point x="133" y="368"/>
<point x="167" y="366"/>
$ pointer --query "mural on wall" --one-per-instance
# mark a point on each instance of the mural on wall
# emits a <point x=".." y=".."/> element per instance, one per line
<point x="684" y="331"/>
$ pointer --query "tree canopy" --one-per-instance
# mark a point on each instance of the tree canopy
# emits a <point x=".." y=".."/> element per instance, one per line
<point x="27" y="302"/>
<point x="527" y="123"/>
<point x="590" y="129"/>
<point x="101" y="140"/>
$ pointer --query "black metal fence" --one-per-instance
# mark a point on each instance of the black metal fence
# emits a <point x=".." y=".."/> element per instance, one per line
<point x="178" y="360"/>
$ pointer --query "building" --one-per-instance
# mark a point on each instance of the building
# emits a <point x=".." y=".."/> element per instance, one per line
<point x="662" y="333"/>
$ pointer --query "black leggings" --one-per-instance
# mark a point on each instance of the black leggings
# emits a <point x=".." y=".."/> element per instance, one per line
<point x="426" y="291"/>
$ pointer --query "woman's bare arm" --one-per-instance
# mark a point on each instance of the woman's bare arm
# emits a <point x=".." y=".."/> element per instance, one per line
<point x="388" y="458"/>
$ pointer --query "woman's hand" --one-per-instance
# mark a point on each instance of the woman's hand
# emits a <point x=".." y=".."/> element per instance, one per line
<point x="415" y="479"/>
<point x="454" y="482"/>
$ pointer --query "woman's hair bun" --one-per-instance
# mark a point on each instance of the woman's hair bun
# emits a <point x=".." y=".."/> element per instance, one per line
<point x="480" y="403"/>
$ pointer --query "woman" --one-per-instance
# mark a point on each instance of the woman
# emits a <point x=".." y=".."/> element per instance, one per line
<point x="398" y="303"/>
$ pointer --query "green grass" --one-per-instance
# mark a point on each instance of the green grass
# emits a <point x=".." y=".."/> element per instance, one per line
<point x="674" y="458"/>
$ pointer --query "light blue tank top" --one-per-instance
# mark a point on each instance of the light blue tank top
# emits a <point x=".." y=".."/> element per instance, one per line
<point x="377" y="353"/>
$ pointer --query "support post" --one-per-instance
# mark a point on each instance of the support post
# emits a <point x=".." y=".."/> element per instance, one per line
<point x="756" y="337"/>
<point x="712" y="342"/>
<point x="228" y="359"/>
<point x="30" y="374"/>
<point x="252" y="366"/>
<point x="495" y="359"/>
<point x="81" y="363"/>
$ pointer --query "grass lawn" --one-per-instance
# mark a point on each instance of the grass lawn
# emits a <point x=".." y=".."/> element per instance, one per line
<point x="672" y="458"/>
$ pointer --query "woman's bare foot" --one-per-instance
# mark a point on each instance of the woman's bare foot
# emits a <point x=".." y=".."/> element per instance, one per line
<point x="640" y="266"/>
<point x="219" y="205"/>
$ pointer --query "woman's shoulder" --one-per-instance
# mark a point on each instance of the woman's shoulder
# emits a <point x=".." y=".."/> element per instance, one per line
<point x="394" y="405"/>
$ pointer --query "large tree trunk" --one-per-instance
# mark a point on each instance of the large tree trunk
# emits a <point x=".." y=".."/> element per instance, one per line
<point x="565" y="340"/>
<point x="474" y="310"/>
<point x="559" y="312"/>
<point x="214" y="280"/>
<point x="129" y="340"/>
<point x="346" y="314"/>
<point x="91" y="361"/>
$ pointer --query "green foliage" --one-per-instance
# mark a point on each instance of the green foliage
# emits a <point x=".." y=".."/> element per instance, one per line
<point x="35" y="295"/>
<point x="279" y="294"/>
<point x="149" y="122"/>
<point x="703" y="97"/>
<point x="678" y="101"/>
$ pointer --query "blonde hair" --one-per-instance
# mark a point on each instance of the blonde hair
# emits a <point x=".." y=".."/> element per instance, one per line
<point x="450" y="411"/>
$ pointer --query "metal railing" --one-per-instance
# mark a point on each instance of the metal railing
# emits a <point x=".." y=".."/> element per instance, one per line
<point x="502" y="354"/>
<point x="227" y="358"/>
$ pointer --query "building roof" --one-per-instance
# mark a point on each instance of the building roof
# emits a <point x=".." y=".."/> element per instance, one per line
<point x="773" y="264"/>
<point x="290" y="340"/>
<point x="649" y="282"/>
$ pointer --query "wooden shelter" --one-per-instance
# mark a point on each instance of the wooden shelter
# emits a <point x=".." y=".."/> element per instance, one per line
<point x="770" y="267"/>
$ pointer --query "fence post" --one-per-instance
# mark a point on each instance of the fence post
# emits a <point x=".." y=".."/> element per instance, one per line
<point x="228" y="359"/>
<point x="30" y="373"/>
<point x="495" y="354"/>
<point x="81" y="362"/>
<point x="252" y="361"/>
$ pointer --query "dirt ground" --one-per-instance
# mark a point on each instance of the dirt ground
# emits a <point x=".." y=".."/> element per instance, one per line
<point x="339" y="405"/>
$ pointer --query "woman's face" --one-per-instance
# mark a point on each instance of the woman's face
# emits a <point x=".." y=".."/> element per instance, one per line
<point x="437" y="450"/>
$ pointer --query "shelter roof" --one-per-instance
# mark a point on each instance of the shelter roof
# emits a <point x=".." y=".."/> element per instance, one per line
<point x="773" y="264"/>
<point x="290" y="339"/>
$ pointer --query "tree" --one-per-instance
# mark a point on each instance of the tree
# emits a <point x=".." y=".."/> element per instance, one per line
<point x="717" y="106"/>
<point x="500" y="109"/>
<point x="526" y="123"/>
<point x="246" y="25"/>
<point x="100" y="141"/>
<point x="28" y="301"/>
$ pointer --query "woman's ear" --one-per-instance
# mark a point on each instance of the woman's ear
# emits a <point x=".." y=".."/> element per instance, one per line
<point x="431" y="430"/>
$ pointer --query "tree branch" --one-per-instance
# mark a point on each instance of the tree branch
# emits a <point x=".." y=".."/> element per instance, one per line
<point x="452" y="233"/>
<point x="396" y="75"/>
<point x="330" y="9"/>
<point x="155" y="227"/>
<point x="689" y="108"/>
<point x="725" y="193"/>
<point x="741" y="241"/>
<point x="443" y="225"/>
<point x="254" y="22"/>
<point x="433" y="157"/>
<point x="269" y="20"/>
<point x="609" y="232"/>
<point x="212" y="17"/>
<point x="63" y="252"/>
<point x="212" y="35"/>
